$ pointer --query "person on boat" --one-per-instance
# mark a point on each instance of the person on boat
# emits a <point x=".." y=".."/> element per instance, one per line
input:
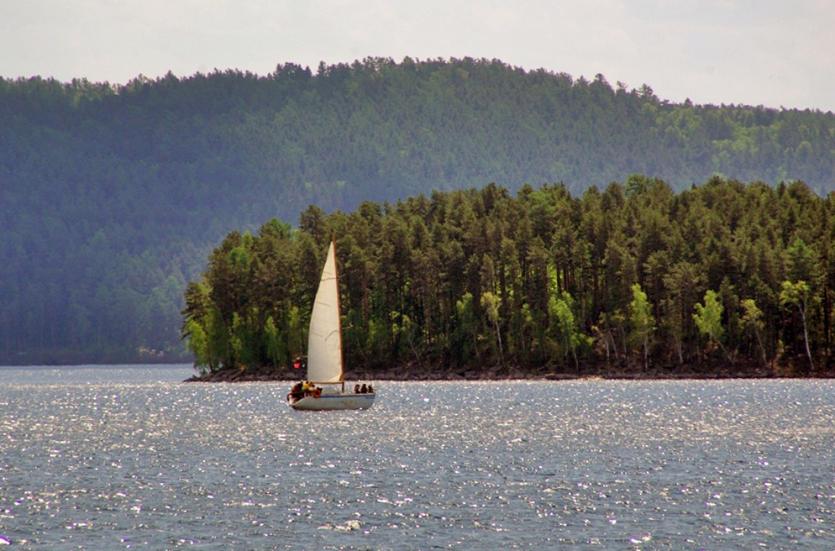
<point x="357" y="388"/>
<point x="296" y="392"/>
<point x="363" y="389"/>
<point x="370" y="389"/>
<point x="297" y="363"/>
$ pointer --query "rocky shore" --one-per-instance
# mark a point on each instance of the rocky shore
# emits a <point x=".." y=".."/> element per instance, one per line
<point x="415" y="372"/>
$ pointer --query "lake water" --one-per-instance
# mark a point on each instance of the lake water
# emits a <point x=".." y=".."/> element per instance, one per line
<point x="126" y="457"/>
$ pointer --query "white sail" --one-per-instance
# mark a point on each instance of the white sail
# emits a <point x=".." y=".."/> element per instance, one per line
<point x="324" y="342"/>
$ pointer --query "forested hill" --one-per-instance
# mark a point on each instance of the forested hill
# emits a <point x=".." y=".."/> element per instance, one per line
<point x="111" y="196"/>
<point x="722" y="279"/>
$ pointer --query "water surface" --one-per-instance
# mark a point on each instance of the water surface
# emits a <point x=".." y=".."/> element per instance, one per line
<point x="110" y="458"/>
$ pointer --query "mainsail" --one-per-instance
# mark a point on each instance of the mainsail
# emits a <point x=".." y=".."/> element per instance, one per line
<point x="324" y="342"/>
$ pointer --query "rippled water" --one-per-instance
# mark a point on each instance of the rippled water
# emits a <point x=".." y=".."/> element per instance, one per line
<point x="116" y="458"/>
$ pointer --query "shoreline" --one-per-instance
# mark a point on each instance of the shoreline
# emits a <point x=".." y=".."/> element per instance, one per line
<point x="413" y="373"/>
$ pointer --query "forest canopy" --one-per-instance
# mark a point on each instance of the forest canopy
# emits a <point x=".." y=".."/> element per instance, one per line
<point x="111" y="196"/>
<point x="633" y="276"/>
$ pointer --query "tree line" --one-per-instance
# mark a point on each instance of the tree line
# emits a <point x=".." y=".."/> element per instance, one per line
<point x="632" y="276"/>
<point x="111" y="196"/>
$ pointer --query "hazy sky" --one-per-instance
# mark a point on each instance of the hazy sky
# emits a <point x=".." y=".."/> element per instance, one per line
<point x="770" y="52"/>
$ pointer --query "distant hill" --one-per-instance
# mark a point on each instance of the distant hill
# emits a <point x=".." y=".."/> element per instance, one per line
<point x="111" y="197"/>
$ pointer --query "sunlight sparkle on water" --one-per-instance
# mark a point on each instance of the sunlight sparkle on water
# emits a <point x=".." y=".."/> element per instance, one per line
<point x="109" y="464"/>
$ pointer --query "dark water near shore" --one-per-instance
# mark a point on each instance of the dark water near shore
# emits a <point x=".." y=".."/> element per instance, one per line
<point x="113" y="458"/>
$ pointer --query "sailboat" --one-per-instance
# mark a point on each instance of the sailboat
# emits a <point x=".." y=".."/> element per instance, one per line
<point x="325" y="387"/>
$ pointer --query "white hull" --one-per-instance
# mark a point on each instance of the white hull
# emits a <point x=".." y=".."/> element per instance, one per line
<point x="328" y="401"/>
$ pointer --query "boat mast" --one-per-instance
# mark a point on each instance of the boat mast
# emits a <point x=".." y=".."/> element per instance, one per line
<point x="339" y="317"/>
